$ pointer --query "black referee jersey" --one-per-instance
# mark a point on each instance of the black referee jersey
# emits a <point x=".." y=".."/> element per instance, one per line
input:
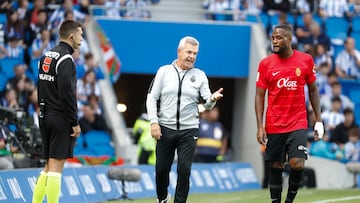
<point x="57" y="83"/>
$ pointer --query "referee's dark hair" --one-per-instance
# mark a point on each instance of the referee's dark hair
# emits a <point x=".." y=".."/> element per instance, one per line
<point x="68" y="27"/>
<point x="287" y="27"/>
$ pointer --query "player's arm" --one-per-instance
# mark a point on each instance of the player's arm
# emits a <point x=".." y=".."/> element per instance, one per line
<point x="315" y="103"/>
<point x="259" y="110"/>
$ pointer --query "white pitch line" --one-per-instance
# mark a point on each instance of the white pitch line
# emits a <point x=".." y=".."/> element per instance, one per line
<point x="337" y="199"/>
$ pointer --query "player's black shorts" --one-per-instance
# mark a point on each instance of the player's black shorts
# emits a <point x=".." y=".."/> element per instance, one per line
<point x="286" y="145"/>
<point x="55" y="134"/>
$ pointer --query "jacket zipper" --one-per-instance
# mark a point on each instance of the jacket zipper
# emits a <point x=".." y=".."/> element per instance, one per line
<point x="178" y="99"/>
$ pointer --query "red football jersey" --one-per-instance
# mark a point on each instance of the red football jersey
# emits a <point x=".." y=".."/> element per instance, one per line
<point x="284" y="80"/>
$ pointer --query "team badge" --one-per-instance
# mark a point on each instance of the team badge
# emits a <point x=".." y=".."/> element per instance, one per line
<point x="192" y="79"/>
<point x="297" y="71"/>
<point x="46" y="64"/>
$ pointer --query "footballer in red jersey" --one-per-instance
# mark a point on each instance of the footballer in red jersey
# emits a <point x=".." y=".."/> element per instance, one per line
<point x="285" y="80"/>
<point x="283" y="75"/>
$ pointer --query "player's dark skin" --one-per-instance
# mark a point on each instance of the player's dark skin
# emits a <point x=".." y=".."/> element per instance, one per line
<point x="281" y="40"/>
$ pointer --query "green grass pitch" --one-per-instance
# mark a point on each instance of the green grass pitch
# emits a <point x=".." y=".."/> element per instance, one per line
<point x="262" y="196"/>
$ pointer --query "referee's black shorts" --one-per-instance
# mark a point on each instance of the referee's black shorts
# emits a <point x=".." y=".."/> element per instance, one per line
<point x="286" y="145"/>
<point x="55" y="134"/>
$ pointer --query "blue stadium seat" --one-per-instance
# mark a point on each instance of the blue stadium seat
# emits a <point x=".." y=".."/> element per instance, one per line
<point x="223" y="17"/>
<point x="336" y="28"/>
<point x="356" y="24"/>
<point x="99" y="142"/>
<point x="264" y="17"/>
<point x="2" y="18"/>
<point x="252" y="18"/>
<point x="3" y="81"/>
<point x="7" y="66"/>
<point x="98" y="12"/>
<point x="355" y="96"/>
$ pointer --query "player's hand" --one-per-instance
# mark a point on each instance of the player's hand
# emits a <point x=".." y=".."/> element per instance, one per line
<point x="318" y="130"/>
<point x="261" y="136"/>
<point x="155" y="131"/>
<point x="76" y="131"/>
<point x="217" y="95"/>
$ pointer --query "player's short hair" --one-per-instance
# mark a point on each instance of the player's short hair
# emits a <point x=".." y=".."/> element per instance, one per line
<point x="68" y="27"/>
<point x="287" y="27"/>
<point x="188" y="39"/>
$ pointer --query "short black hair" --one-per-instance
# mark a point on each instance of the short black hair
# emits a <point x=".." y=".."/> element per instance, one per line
<point x="68" y="27"/>
<point x="287" y="27"/>
<point x="336" y="99"/>
<point x="347" y="111"/>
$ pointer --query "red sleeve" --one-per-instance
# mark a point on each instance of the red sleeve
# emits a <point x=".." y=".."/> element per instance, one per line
<point x="311" y="76"/>
<point x="261" y="80"/>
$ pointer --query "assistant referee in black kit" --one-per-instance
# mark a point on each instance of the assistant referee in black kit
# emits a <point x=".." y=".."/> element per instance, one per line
<point x="58" y="110"/>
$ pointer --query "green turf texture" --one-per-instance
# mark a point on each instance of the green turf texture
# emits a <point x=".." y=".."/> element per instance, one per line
<point x="262" y="196"/>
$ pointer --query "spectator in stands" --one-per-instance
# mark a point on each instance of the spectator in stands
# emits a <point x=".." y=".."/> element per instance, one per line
<point x="333" y="117"/>
<point x="253" y="7"/>
<point x="323" y="148"/>
<point x="83" y="6"/>
<point x="325" y="100"/>
<point x="31" y="16"/>
<point x="94" y="102"/>
<point x="212" y="143"/>
<point x="354" y="7"/>
<point x="341" y="133"/>
<point x="321" y="56"/>
<point x="91" y="64"/>
<point x="216" y="9"/>
<point x="22" y="92"/>
<point x="332" y="78"/>
<point x="10" y="99"/>
<point x="304" y="6"/>
<point x="322" y="78"/>
<point x="137" y="9"/>
<point x="14" y="26"/>
<point x="113" y="8"/>
<point x="87" y="86"/>
<point x="91" y="120"/>
<point x="333" y="8"/>
<point x="20" y="72"/>
<point x="5" y="5"/>
<point x="352" y="147"/>
<point x="57" y="16"/>
<point x="78" y="58"/>
<point x="35" y="29"/>
<point x="303" y="33"/>
<point x="42" y="44"/>
<point x="347" y="64"/>
<point x="23" y="7"/>
<point x="277" y="5"/>
<point x="7" y="147"/>
<point x="14" y="48"/>
<point x="319" y="36"/>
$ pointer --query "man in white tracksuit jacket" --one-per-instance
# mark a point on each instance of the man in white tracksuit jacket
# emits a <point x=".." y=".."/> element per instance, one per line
<point x="172" y="105"/>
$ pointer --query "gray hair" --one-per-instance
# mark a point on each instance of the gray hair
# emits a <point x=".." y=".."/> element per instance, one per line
<point x="188" y="39"/>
